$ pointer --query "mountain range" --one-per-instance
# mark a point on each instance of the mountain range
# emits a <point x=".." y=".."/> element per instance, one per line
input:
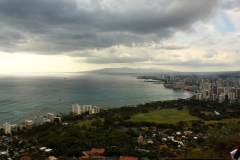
<point x="131" y="70"/>
<point x="125" y="70"/>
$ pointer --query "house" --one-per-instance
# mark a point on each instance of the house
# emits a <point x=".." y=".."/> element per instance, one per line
<point x="128" y="158"/>
<point x="178" y="133"/>
<point x="163" y="146"/>
<point x="48" y="150"/>
<point x="84" y="157"/>
<point x="149" y="142"/>
<point x="43" y="148"/>
<point x="95" y="153"/>
<point x="216" y="113"/>
<point x="141" y="140"/>
<point x="52" y="158"/>
<point x="25" y="158"/>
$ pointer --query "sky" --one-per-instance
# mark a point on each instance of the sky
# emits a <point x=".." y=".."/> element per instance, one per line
<point x="81" y="35"/>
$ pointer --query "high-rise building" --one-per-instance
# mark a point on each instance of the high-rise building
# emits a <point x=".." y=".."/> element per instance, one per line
<point x="38" y="120"/>
<point x="172" y="77"/>
<point x="178" y="85"/>
<point x="234" y="100"/>
<point x="76" y="109"/>
<point x="238" y="93"/>
<point x="1" y="130"/>
<point x="96" y="109"/>
<point x="221" y="98"/>
<point x="86" y="108"/>
<point x="28" y="123"/>
<point x="205" y="94"/>
<point x="207" y="86"/>
<point x="220" y="90"/>
<point x="7" y="128"/>
<point x="198" y="96"/>
<point x="231" y="95"/>
<point x="91" y="111"/>
<point x="213" y="97"/>
<point x="215" y="89"/>
<point x="50" y="116"/>
<point x="14" y="127"/>
<point x="20" y="126"/>
<point x="233" y="89"/>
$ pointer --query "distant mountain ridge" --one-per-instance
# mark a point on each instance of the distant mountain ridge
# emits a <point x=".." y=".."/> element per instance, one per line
<point x="125" y="70"/>
<point x="130" y="70"/>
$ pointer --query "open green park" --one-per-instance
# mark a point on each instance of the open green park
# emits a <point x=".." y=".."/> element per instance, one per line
<point x="171" y="116"/>
<point x="164" y="116"/>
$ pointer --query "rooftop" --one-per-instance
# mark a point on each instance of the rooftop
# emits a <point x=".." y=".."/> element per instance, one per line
<point x="128" y="158"/>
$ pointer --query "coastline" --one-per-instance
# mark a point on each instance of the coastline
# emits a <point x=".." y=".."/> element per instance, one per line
<point x="105" y="91"/>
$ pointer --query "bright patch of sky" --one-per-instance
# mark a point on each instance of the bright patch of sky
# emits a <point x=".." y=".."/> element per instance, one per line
<point x="223" y="23"/>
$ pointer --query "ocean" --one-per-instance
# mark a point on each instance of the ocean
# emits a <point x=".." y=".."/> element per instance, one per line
<point x="23" y="97"/>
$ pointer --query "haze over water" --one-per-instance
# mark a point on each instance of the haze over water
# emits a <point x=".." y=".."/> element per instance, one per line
<point x="23" y="97"/>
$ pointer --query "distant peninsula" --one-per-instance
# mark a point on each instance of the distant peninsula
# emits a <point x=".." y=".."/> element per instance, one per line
<point x="125" y="70"/>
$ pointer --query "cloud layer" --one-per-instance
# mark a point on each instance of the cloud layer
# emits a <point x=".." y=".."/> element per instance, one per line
<point x="139" y="32"/>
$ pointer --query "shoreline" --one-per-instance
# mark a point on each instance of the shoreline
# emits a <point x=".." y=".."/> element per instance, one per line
<point x="65" y="106"/>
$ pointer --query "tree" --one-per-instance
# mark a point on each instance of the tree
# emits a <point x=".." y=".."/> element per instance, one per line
<point x="108" y="122"/>
<point x="223" y="140"/>
<point x="96" y="123"/>
<point x="200" y="153"/>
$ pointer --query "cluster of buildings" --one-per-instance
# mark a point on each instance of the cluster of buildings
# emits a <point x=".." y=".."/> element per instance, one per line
<point x="97" y="154"/>
<point x="8" y="128"/>
<point x="211" y="88"/>
<point x="77" y="109"/>
<point x="221" y="93"/>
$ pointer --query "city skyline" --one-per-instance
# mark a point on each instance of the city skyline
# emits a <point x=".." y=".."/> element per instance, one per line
<point x="72" y="36"/>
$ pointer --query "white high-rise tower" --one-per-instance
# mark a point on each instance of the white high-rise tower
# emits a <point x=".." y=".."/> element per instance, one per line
<point x="76" y="109"/>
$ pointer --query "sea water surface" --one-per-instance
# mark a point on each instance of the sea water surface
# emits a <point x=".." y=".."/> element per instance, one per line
<point x="23" y="97"/>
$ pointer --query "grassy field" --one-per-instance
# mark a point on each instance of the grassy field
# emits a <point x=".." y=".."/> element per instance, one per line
<point x="171" y="116"/>
<point x="163" y="116"/>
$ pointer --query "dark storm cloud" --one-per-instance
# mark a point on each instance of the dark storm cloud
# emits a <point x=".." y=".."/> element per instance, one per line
<point x="230" y="4"/>
<point x="60" y="26"/>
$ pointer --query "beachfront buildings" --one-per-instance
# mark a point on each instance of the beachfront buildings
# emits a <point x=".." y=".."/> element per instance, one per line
<point x="50" y="116"/>
<point x="14" y="127"/>
<point x="96" y="109"/>
<point x="86" y="108"/>
<point x="7" y="128"/>
<point x="76" y="109"/>
<point x="90" y="109"/>
<point x="39" y="120"/>
<point x="28" y="124"/>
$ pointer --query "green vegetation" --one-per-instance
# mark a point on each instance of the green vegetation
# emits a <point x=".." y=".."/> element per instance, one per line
<point x="164" y="116"/>
<point x="117" y="130"/>
<point x="88" y="123"/>
<point x="173" y="116"/>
